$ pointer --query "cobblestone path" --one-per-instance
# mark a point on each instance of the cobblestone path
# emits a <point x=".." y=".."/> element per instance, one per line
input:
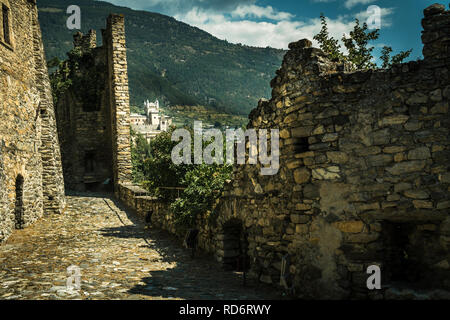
<point x="118" y="259"/>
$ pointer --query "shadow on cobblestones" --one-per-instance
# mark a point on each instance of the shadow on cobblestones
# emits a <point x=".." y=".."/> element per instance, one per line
<point x="195" y="278"/>
<point x="117" y="257"/>
<point x="190" y="278"/>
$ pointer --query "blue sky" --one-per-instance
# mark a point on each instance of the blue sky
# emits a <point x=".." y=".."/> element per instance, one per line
<point x="276" y="23"/>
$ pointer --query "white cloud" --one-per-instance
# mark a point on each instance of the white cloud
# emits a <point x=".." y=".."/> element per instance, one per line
<point x="254" y="11"/>
<point x="173" y="7"/>
<point x="261" y="34"/>
<point x="384" y="12"/>
<point x="351" y="3"/>
<point x="239" y="21"/>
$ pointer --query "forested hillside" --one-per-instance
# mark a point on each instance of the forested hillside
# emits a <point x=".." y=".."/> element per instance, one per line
<point x="170" y="60"/>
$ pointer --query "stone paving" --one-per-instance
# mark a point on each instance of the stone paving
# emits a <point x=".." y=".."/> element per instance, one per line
<point x="118" y="258"/>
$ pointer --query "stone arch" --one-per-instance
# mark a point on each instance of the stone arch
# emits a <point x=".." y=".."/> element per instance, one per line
<point x="233" y="246"/>
<point x="18" y="207"/>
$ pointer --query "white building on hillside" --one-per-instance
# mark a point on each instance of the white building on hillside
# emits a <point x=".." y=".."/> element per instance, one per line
<point x="153" y="123"/>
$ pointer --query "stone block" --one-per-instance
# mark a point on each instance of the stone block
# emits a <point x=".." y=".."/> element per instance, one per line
<point x="302" y="207"/>
<point x="393" y="120"/>
<point x="406" y="167"/>
<point x="294" y="164"/>
<point x="350" y="226"/>
<point x="416" y="194"/>
<point x="417" y="98"/>
<point x="445" y="178"/>
<point x="302" y="175"/>
<point x="440" y="108"/>
<point x="301" y="229"/>
<point x="394" y="149"/>
<point x="301" y="132"/>
<point x="329" y="173"/>
<point x="361" y="207"/>
<point x="420" y="153"/>
<point x="337" y="157"/>
<point x="422" y="204"/>
<point x="299" y="219"/>
<point x="362" y="237"/>
<point x="285" y="134"/>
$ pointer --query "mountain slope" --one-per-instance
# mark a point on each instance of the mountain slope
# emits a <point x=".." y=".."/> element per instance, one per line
<point x="170" y="60"/>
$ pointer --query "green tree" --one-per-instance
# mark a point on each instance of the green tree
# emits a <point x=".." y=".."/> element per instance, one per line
<point x="386" y="56"/>
<point x="140" y="151"/>
<point x="53" y="63"/>
<point x="328" y="44"/>
<point x="358" y="48"/>
<point x="357" y="45"/>
<point x="204" y="184"/>
<point x="153" y="169"/>
<point x="388" y="61"/>
<point x="157" y="169"/>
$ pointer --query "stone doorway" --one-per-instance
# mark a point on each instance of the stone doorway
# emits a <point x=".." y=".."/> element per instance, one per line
<point x="408" y="253"/>
<point x="233" y="247"/>
<point x="18" y="209"/>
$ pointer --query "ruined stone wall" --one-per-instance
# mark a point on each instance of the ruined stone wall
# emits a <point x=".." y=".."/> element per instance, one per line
<point x="83" y="113"/>
<point x="364" y="177"/>
<point x="31" y="181"/>
<point x="93" y="113"/>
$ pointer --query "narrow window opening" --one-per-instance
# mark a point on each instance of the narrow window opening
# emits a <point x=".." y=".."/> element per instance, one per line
<point x="18" y="210"/>
<point x="89" y="161"/>
<point x="302" y="145"/>
<point x="6" y="34"/>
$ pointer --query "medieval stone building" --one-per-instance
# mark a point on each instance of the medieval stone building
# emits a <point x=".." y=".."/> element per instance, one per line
<point x="31" y="179"/>
<point x="93" y="113"/>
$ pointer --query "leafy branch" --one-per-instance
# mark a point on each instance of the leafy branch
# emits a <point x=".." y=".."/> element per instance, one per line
<point x="360" y="53"/>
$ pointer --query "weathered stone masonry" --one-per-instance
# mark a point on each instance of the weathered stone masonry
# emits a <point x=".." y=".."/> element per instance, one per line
<point x="364" y="177"/>
<point x="31" y="181"/>
<point x="120" y="99"/>
<point x="364" y="173"/>
<point x="93" y="113"/>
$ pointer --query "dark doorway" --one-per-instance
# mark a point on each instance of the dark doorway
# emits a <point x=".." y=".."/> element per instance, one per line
<point x="18" y="210"/>
<point x="89" y="162"/>
<point x="403" y="254"/>
<point x="235" y="247"/>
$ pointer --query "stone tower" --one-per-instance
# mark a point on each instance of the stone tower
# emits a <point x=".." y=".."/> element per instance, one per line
<point x="31" y="180"/>
<point x="120" y="99"/>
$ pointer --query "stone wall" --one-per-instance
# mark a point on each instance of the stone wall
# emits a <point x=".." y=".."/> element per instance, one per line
<point x="31" y="181"/>
<point x="148" y="208"/>
<point x="93" y="113"/>
<point x="364" y="178"/>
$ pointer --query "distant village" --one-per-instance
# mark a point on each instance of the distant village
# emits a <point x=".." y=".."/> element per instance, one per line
<point x="152" y="123"/>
